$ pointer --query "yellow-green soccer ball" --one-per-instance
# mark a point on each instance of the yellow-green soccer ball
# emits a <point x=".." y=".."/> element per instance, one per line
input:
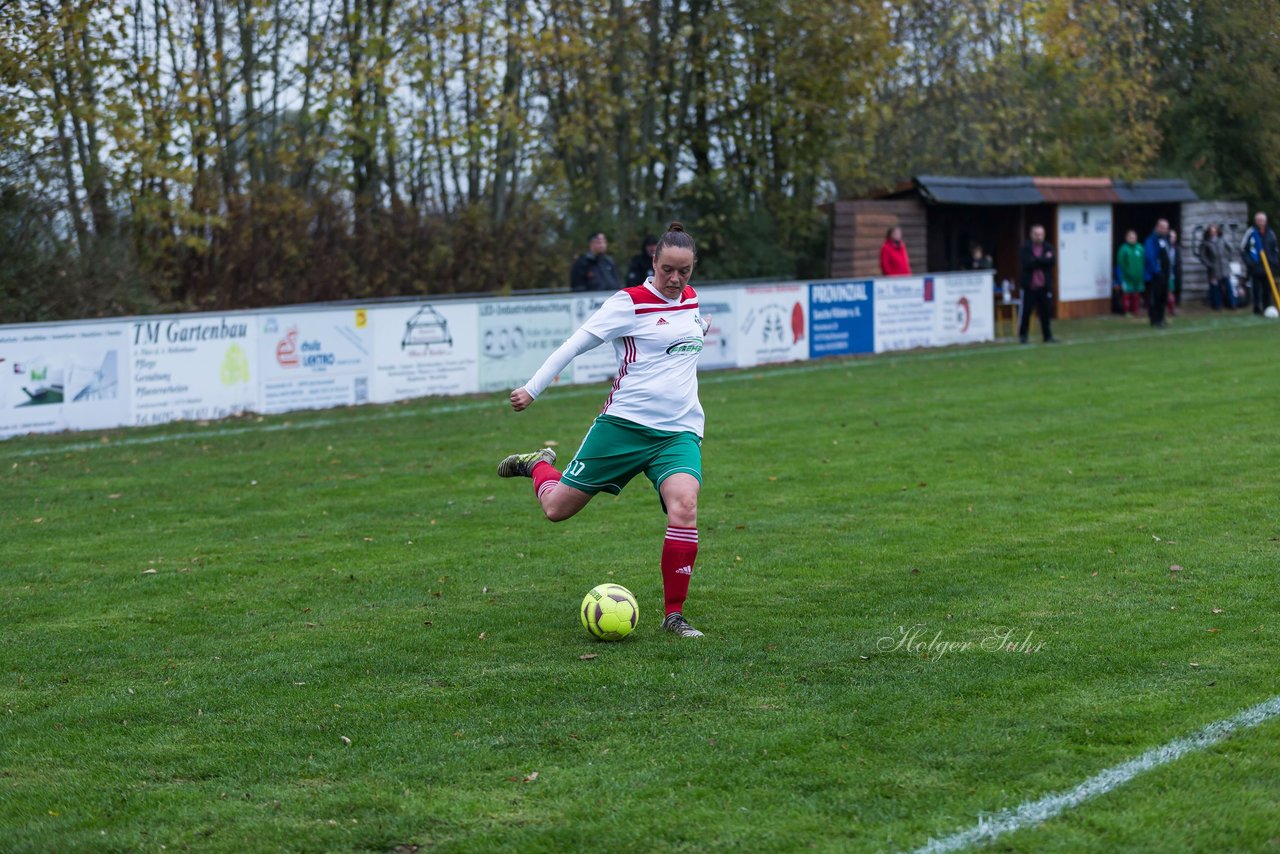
<point x="609" y="612"/>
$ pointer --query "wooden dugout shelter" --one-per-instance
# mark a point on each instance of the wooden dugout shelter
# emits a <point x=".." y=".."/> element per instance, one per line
<point x="942" y="217"/>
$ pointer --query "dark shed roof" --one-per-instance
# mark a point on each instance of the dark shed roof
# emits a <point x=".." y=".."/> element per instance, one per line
<point x="1148" y="192"/>
<point x="1025" y="190"/>
<point x="978" y="191"/>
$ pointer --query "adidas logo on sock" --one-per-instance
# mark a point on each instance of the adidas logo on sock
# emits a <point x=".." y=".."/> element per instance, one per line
<point x="685" y="570"/>
<point x="662" y="321"/>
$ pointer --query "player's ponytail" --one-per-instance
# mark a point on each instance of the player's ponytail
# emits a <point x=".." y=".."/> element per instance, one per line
<point x="676" y="237"/>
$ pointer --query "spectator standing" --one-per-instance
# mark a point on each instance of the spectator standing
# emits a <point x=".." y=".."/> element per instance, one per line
<point x="1259" y="240"/>
<point x="641" y="266"/>
<point x="1215" y="255"/>
<point x="1130" y="261"/>
<point x="1156" y="272"/>
<point x="1037" y="261"/>
<point x="893" y="254"/>
<point x="1175" y="273"/>
<point x="595" y="270"/>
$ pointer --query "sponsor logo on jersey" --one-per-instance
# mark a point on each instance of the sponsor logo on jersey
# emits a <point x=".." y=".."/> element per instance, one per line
<point x="685" y="346"/>
<point x="662" y="321"/>
<point x="685" y="570"/>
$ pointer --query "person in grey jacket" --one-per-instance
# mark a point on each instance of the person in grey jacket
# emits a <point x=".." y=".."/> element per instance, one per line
<point x="1215" y="254"/>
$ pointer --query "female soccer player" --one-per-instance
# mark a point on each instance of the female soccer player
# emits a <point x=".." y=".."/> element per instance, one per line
<point x="651" y="422"/>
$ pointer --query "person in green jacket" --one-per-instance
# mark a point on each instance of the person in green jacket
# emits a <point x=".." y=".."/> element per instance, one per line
<point x="1129" y="261"/>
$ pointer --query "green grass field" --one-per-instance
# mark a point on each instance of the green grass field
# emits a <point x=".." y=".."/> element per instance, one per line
<point x="197" y="618"/>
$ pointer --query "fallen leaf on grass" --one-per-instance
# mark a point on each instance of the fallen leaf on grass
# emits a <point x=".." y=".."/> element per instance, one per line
<point x="115" y="495"/>
<point x="368" y="539"/>
<point x="1215" y="610"/>
<point x="148" y="572"/>
<point x="1213" y="631"/>
<point x="1175" y="568"/>
<point x="533" y="775"/>
<point x="550" y="443"/>
<point x="1194" y="664"/>
<point x="344" y="740"/>
<point x="37" y="520"/>
<point x="588" y="656"/>
<point x="483" y="635"/>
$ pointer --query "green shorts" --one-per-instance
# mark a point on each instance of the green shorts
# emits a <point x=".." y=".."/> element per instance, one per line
<point x="616" y="450"/>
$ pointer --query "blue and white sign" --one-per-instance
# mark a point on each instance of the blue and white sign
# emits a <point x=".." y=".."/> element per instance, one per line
<point x="840" y="318"/>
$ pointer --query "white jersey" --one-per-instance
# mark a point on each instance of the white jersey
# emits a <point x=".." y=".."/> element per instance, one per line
<point x="657" y="342"/>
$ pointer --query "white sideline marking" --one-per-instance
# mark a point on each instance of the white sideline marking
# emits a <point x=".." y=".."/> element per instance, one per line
<point x="1006" y="821"/>
<point x="739" y="375"/>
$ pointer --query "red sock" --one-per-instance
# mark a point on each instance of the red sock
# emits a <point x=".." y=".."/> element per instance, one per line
<point x="545" y="477"/>
<point x="679" y="551"/>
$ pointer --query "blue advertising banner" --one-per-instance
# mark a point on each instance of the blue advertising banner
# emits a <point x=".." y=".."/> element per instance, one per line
<point x="841" y="320"/>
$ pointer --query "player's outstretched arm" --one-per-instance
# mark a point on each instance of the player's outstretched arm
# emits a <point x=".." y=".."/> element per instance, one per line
<point x="520" y="399"/>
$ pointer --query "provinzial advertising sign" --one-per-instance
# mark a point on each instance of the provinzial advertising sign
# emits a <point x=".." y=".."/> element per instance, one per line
<point x="65" y="377"/>
<point x="424" y="349"/>
<point x="840" y="319"/>
<point x="193" y="368"/>
<point x="773" y="324"/>
<point x="314" y="359"/>
<point x="516" y="337"/>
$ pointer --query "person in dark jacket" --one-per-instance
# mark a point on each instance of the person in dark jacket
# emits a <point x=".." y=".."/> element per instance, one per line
<point x="595" y="271"/>
<point x="1037" y="260"/>
<point x="1258" y="240"/>
<point x="978" y="259"/>
<point x="1216" y="257"/>
<point x="1156" y="272"/>
<point x="641" y="266"/>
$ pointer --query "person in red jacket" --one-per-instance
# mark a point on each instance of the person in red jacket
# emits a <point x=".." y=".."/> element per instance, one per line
<point x="893" y="255"/>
